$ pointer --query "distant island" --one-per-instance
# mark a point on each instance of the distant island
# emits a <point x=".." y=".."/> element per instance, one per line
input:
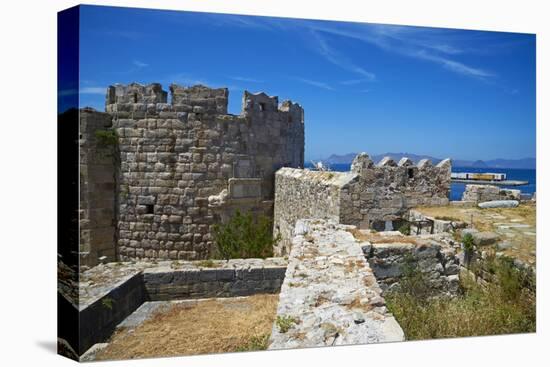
<point x="524" y="163"/>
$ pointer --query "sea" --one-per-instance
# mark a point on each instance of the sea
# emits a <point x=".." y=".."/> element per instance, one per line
<point x="529" y="175"/>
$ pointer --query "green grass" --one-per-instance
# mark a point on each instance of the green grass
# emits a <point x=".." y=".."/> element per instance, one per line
<point x="255" y="343"/>
<point x="503" y="307"/>
<point x="284" y="323"/>
<point x="245" y="236"/>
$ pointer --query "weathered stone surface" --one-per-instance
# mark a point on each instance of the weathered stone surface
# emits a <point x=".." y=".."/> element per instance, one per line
<point x="181" y="167"/>
<point x="369" y="196"/>
<point x="435" y="259"/>
<point x="97" y="189"/>
<point x="499" y="204"/>
<point x="485" y="238"/>
<point x="330" y="295"/>
<point x="482" y="193"/>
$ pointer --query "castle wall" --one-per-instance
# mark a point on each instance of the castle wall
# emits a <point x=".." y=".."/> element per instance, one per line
<point x="187" y="165"/>
<point x="97" y="189"/>
<point x="370" y="196"/>
<point x="385" y="191"/>
<point x="303" y="194"/>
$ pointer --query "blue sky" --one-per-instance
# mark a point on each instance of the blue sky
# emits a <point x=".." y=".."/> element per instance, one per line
<point x="364" y="87"/>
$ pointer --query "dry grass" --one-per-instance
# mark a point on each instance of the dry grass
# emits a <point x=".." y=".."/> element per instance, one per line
<point x="210" y="326"/>
<point x="504" y="307"/>
<point x="378" y="238"/>
<point x="485" y="220"/>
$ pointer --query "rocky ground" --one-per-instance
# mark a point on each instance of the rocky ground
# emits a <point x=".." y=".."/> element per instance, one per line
<point x="512" y="231"/>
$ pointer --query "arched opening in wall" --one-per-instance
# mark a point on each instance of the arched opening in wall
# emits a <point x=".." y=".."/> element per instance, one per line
<point x="135" y="98"/>
<point x="262" y="106"/>
<point x="410" y="172"/>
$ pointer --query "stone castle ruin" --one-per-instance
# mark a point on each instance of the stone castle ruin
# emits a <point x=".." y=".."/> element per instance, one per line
<point x="156" y="176"/>
<point x="376" y="196"/>
<point x="159" y="170"/>
<point x="154" y="188"/>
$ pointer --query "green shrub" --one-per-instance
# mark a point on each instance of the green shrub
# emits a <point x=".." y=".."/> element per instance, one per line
<point x="255" y="343"/>
<point x="107" y="302"/>
<point x="468" y="241"/>
<point x="405" y="228"/>
<point x="106" y="137"/>
<point x="414" y="282"/>
<point x="245" y="236"/>
<point x="502" y="307"/>
<point x="284" y="323"/>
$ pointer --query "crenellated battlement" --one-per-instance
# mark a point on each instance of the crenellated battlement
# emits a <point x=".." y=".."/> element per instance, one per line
<point x="142" y="101"/>
<point x="371" y="195"/>
<point x="363" y="164"/>
<point x="135" y="93"/>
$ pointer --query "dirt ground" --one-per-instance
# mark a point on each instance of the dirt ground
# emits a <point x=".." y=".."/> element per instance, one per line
<point x="517" y="226"/>
<point x="209" y="326"/>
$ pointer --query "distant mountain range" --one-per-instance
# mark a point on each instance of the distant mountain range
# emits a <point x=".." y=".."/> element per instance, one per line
<point x="528" y="163"/>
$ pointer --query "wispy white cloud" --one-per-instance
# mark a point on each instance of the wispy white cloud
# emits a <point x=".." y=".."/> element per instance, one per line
<point x="245" y="79"/>
<point x="338" y="59"/>
<point x="315" y="83"/>
<point x="354" y="81"/>
<point x="455" y="66"/>
<point x="93" y="90"/>
<point x="420" y="43"/>
<point x="139" y="64"/>
<point x="85" y="90"/>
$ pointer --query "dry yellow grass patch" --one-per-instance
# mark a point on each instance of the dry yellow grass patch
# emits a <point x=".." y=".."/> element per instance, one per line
<point x="486" y="220"/>
<point x="210" y="326"/>
<point x="378" y="238"/>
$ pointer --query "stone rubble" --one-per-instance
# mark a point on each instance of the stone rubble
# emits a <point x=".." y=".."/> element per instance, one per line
<point x="480" y="193"/>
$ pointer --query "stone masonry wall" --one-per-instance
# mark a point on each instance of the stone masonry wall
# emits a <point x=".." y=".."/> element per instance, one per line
<point x="436" y="261"/>
<point x="481" y="193"/>
<point x="370" y="196"/>
<point x="187" y="165"/>
<point x="303" y="194"/>
<point x="385" y="191"/>
<point x="97" y="189"/>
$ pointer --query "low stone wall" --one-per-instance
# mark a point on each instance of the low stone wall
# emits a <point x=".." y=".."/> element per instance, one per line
<point x="111" y="292"/>
<point x="239" y="278"/>
<point x="437" y="263"/>
<point x="481" y="193"/>
<point x="330" y="295"/>
<point x="98" y="319"/>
